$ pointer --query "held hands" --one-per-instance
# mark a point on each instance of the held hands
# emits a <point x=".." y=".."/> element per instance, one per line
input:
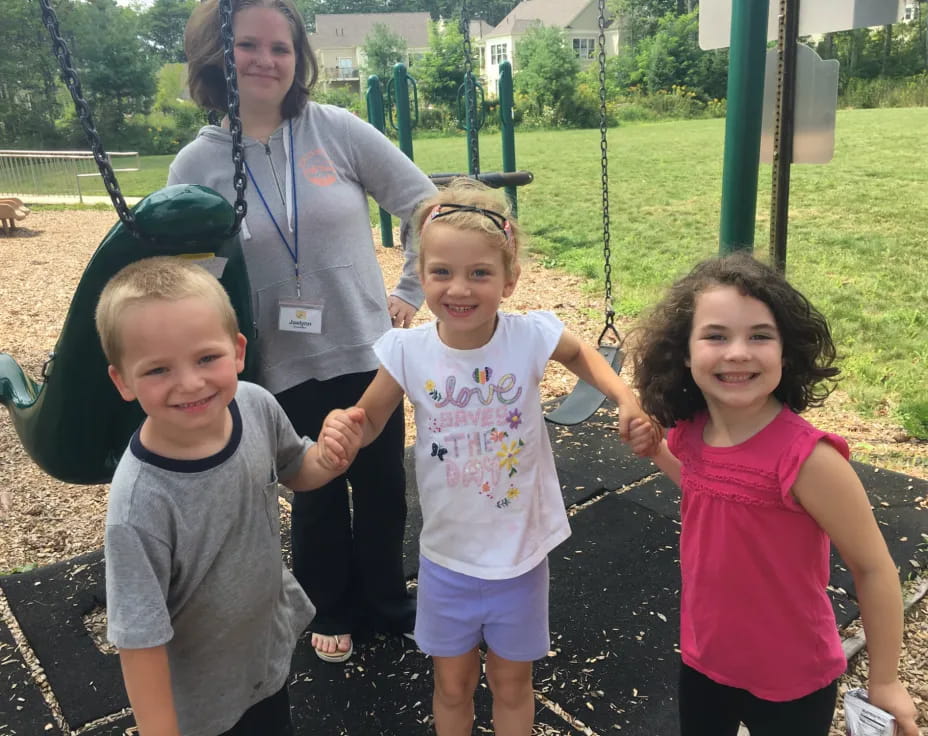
<point x="340" y="438"/>
<point x="895" y="699"/>
<point x="644" y="435"/>
<point x="401" y="313"/>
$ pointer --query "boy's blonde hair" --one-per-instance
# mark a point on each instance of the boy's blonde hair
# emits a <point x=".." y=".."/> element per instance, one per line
<point x="485" y="210"/>
<point x="161" y="277"/>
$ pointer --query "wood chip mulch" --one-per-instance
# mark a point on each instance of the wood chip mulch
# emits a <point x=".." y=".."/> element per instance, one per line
<point x="44" y="520"/>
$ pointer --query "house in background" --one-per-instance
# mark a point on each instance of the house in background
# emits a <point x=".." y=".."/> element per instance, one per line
<point x="339" y="39"/>
<point x="579" y="19"/>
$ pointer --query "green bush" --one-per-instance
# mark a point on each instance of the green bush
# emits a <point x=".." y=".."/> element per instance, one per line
<point x="634" y="112"/>
<point x="438" y="118"/>
<point x="678" y="103"/>
<point x="915" y="418"/>
<point x="886" y="92"/>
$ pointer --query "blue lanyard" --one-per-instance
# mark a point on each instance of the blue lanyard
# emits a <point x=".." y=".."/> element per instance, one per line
<point x="295" y="250"/>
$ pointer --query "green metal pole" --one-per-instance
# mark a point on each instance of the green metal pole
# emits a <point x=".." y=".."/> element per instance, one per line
<point x="742" y="124"/>
<point x="401" y="105"/>
<point x="507" y="129"/>
<point x="376" y="117"/>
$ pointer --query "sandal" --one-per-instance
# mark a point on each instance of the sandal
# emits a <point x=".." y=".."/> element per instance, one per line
<point x="338" y="655"/>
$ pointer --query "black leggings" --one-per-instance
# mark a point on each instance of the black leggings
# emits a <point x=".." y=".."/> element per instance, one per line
<point x="351" y="564"/>
<point x="268" y="717"/>
<point x="710" y="709"/>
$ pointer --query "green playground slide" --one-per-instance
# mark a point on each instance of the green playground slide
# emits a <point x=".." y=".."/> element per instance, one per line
<point x="72" y="422"/>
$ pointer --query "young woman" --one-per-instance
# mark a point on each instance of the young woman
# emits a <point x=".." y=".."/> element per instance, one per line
<point x="318" y="293"/>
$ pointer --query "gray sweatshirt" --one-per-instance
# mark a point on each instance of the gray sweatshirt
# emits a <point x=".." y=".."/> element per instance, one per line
<point x="339" y="159"/>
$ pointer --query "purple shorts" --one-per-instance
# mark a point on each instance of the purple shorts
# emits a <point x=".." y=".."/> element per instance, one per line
<point x="456" y="612"/>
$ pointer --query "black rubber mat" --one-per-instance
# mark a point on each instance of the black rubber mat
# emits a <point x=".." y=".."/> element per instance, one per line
<point x="614" y="616"/>
<point x="50" y="603"/>
<point x="119" y="727"/>
<point x="22" y="708"/>
<point x="614" y="611"/>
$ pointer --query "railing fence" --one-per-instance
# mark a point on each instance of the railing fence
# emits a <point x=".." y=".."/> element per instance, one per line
<point x="25" y="173"/>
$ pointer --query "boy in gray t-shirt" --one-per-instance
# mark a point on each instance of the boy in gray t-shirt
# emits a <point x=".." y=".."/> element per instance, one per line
<point x="199" y="603"/>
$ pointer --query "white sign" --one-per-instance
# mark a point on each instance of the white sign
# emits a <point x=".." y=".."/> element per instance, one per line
<point x="814" y="109"/>
<point x="815" y="16"/>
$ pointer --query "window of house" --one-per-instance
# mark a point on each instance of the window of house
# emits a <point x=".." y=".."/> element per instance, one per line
<point x="499" y="52"/>
<point x="482" y="57"/>
<point x="585" y="48"/>
<point x="346" y="68"/>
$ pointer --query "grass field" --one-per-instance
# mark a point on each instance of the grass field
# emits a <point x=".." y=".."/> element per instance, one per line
<point x="858" y="242"/>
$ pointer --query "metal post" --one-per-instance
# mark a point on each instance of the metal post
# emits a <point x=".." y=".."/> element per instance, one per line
<point x="376" y="117"/>
<point x="785" y="125"/>
<point x="401" y="105"/>
<point x="507" y="129"/>
<point x="743" y="124"/>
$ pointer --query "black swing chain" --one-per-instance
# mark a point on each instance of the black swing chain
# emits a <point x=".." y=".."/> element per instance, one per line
<point x="603" y="145"/>
<point x="239" y="181"/>
<point x="70" y="78"/>
<point x="470" y="92"/>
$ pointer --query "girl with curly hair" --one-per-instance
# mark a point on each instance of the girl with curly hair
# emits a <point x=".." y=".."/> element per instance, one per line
<point x="728" y="360"/>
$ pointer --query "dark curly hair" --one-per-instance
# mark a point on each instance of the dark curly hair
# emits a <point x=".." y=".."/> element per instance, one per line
<point x="203" y="46"/>
<point x="664" y="382"/>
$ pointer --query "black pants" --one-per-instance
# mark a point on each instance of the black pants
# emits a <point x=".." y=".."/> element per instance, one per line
<point x="351" y="564"/>
<point x="268" y="717"/>
<point x="710" y="709"/>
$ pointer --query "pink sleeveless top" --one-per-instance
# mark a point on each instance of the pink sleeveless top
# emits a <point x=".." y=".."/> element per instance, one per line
<point x="754" y="613"/>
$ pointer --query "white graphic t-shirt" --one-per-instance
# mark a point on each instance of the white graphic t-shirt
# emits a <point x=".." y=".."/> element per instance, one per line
<point x="491" y="501"/>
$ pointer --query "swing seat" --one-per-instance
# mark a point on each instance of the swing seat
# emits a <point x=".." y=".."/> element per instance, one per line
<point x="581" y="403"/>
<point x="74" y="424"/>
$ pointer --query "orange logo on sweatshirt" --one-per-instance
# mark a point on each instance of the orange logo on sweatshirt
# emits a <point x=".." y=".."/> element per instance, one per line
<point x="317" y="168"/>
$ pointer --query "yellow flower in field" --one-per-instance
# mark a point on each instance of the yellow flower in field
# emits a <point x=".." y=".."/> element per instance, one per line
<point x="512" y="493"/>
<point x="507" y="455"/>
<point x="430" y="385"/>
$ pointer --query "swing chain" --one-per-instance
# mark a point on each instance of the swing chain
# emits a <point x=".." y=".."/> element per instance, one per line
<point x="69" y="77"/>
<point x="470" y="93"/>
<point x="607" y="250"/>
<point x="235" y="122"/>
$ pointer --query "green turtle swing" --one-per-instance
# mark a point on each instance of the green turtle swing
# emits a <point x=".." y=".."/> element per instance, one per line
<point x="72" y="422"/>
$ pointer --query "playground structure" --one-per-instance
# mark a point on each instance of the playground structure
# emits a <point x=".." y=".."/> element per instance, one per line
<point x="401" y="111"/>
<point x="11" y="210"/>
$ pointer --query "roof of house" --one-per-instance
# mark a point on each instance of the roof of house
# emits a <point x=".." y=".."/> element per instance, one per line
<point x="350" y="29"/>
<point x="559" y="13"/>
<point x="479" y="28"/>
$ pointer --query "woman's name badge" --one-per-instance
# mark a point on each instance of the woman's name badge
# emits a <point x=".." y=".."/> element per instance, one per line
<point x="300" y="317"/>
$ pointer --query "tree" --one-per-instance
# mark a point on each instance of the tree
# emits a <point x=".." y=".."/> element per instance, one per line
<point x="440" y="71"/>
<point x="163" y="27"/>
<point x="640" y="18"/>
<point x="28" y="79"/>
<point x="382" y="48"/>
<point x="117" y="70"/>
<point x="672" y="57"/>
<point x="548" y="68"/>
